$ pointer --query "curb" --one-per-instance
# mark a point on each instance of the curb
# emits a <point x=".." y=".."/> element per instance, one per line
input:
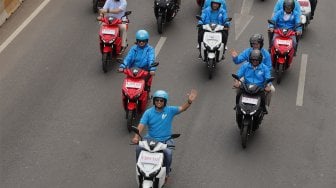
<point x="8" y="7"/>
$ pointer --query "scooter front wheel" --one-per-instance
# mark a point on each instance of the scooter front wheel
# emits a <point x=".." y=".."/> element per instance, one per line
<point x="105" y="59"/>
<point x="211" y="67"/>
<point x="244" y="133"/>
<point x="279" y="73"/>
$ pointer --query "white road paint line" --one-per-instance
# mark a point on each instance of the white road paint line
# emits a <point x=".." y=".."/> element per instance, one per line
<point x="243" y="19"/>
<point x="302" y="78"/>
<point x="159" y="45"/>
<point x="23" y="25"/>
<point x="246" y="7"/>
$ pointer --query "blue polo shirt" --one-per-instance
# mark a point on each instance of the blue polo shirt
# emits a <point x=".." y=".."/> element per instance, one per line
<point x="159" y="124"/>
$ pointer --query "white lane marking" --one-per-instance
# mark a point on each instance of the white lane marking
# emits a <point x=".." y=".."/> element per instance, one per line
<point x="246" y="7"/>
<point x="302" y="78"/>
<point x="159" y="45"/>
<point x="243" y="19"/>
<point x="23" y="25"/>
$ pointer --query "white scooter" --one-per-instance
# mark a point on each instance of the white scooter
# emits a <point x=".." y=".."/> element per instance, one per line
<point x="150" y="169"/>
<point x="305" y="13"/>
<point x="212" y="48"/>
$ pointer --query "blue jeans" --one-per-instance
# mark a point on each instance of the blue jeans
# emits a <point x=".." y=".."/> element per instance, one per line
<point x="168" y="155"/>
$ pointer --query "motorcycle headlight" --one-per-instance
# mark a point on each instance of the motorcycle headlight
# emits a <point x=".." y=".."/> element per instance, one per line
<point x="111" y="41"/>
<point x="253" y="112"/>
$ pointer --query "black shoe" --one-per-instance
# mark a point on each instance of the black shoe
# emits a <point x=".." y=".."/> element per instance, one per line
<point x="311" y="17"/>
<point x="199" y="56"/>
<point x="265" y="110"/>
<point x="235" y="108"/>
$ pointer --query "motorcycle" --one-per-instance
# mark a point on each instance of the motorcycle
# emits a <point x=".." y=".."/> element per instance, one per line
<point x="97" y="4"/>
<point x="134" y="95"/>
<point x="109" y="39"/>
<point x="165" y="11"/>
<point x="305" y="14"/>
<point x="150" y="169"/>
<point x="249" y="113"/>
<point x="212" y="48"/>
<point x="282" y="50"/>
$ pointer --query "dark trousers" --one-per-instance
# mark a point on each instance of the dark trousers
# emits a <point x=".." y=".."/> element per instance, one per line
<point x="313" y="4"/>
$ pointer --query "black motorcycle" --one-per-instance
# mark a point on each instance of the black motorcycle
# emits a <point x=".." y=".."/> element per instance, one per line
<point x="97" y="4"/>
<point x="249" y="112"/>
<point x="165" y="11"/>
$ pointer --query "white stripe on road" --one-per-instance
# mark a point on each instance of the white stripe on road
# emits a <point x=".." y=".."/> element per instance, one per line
<point x="23" y="25"/>
<point x="302" y="78"/>
<point x="159" y="45"/>
<point x="246" y="7"/>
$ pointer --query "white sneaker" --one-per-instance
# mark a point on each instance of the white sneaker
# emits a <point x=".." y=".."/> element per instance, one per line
<point x="197" y="46"/>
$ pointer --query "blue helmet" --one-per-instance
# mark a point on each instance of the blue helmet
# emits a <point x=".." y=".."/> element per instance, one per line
<point x="142" y="35"/>
<point x="160" y="94"/>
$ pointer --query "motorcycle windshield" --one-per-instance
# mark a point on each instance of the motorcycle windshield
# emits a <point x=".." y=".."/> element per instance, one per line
<point x="212" y="39"/>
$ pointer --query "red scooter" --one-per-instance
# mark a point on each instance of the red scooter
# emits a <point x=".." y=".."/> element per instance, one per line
<point x="109" y="39"/>
<point x="134" y="95"/>
<point x="282" y="50"/>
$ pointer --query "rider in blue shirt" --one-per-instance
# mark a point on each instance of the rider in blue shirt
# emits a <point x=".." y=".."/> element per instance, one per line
<point x="287" y="18"/>
<point x="279" y="6"/>
<point x="254" y="72"/>
<point x="141" y="55"/>
<point x="214" y="14"/>
<point x="158" y="120"/>
<point x="256" y="42"/>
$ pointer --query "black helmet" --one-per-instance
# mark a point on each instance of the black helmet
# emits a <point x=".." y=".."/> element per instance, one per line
<point x="256" y="55"/>
<point x="289" y="4"/>
<point x="257" y="38"/>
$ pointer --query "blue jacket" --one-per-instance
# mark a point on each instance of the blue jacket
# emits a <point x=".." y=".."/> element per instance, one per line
<point x="244" y="56"/>
<point x="209" y="16"/>
<point x="253" y="75"/>
<point x="279" y="6"/>
<point x="207" y="4"/>
<point x="140" y="57"/>
<point x="159" y="124"/>
<point x="290" y="23"/>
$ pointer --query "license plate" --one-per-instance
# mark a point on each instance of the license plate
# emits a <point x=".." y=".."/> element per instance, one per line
<point x="133" y="85"/>
<point x="284" y="42"/>
<point x="150" y="158"/>
<point x="108" y="31"/>
<point x="250" y="100"/>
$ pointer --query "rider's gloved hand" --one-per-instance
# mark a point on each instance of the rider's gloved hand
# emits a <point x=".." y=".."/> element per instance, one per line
<point x="135" y="140"/>
<point x="268" y="88"/>
<point x="271" y="29"/>
<point x="152" y="73"/>
<point x="298" y="33"/>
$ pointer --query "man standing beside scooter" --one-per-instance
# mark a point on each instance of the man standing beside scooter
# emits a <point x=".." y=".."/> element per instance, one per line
<point x="117" y="9"/>
<point x="214" y="14"/>
<point x="158" y="120"/>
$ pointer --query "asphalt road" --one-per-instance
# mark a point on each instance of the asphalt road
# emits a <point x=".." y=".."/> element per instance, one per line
<point x="62" y="122"/>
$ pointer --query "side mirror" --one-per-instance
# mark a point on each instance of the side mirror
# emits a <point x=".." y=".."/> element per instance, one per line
<point x="198" y="17"/>
<point x="271" y="22"/>
<point x="155" y="64"/>
<point x="175" y="136"/>
<point x="135" y="130"/>
<point x="235" y="76"/>
<point x="298" y="25"/>
<point x="128" y="13"/>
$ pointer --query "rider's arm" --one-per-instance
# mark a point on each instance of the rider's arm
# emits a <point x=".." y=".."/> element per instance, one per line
<point x="151" y="58"/>
<point x="127" y="59"/>
<point x="243" y="56"/>
<point x="297" y="21"/>
<point x="267" y="59"/>
<point x="191" y="97"/>
<point x="141" y="128"/>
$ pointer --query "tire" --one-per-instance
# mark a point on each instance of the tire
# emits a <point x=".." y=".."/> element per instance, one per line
<point x="130" y="121"/>
<point x="244" y="133"/>
<point x="95" y="6"/>
<point x="105" y="59"/>
<point x="159" y="24"/>
<point x="279" y="73"/>
<point x="211" y="64"/>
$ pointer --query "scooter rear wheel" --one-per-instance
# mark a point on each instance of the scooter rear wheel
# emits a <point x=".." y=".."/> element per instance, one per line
<point x="159" y="24"/>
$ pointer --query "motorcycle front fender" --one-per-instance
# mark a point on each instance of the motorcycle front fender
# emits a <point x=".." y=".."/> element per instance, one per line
<point x="147" y="184"/>
<point x="211" y="55"/>
<point x="131" y="106"/>
<point x="107" y="49"/>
